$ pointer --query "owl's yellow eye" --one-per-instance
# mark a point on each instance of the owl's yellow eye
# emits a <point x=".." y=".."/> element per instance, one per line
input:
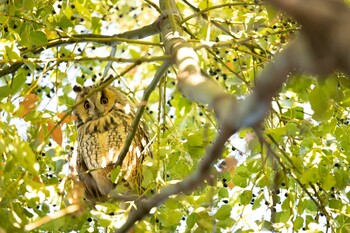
<point x="104" y="100"/>
<point x="86" y="105"/>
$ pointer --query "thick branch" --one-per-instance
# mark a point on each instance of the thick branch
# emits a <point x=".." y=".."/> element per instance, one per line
<point x="325" y="27"/>
<point x="197" y="88"/>
<point x="191" y="83"/>
<point x="300" y="56"/>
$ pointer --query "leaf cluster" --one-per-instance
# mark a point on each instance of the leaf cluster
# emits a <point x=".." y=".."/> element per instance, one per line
<point x="294" y="175"/>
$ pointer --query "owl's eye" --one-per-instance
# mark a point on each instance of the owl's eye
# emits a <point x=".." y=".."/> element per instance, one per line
<point x="104" y="100"/>
<point x="86" y="104"/>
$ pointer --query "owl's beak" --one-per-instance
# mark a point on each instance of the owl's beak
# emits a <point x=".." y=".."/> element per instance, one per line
<point x="99" y="110"/>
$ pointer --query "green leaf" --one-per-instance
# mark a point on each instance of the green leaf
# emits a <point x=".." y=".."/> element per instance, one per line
<point x="12" y="52"/>
<point x="45" y="208"/>
<point x="310" y="175"/>
<point x="328" y="182"/>
<point x="331" y="87"/>
<point x="104" y="222"/>
<point x="96" y="25"/>
<point x="191" y="220"/>
<point x="18" y="81"/>
<point x="27" y="213"/>
<point x="299" y="112"/>
<point x="311" y="206"/>
<point x="277" y="132"/>
<point x="292" y="129"/>
<point x="341" y="182"/>
<point x="24" y="155"/>
<point x="115" y="175"/>
<point x="5" y="91"/>
<point x="223" y="212"/>
<point x="205" y="221"/>
<point x="297" y="162"/>
<point x="240" y="179"/>
<point x="335" y="204"/>
<point x="25" y="39"/>
<point x="28" y="4"/>
<point x="246" y="197"/>
<point x="323" y="111"/>
<point x="170" y="219"/>
<point x="64" y="22"/>
<point x="272" y="12"/>
<point x="253" y="165"/>
<point x="298" y="223"/>
<point x="257" y="202"/>
<point x="223" y="193"/>
<point x="194" y="139"/>
<point x="38" y="38"/>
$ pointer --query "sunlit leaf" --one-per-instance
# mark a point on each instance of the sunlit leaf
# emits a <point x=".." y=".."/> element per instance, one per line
<point x="38" y="38"/>
<point x="246" y="197"/>
<point x="56" y="132"/>
<point x="319" y="103"/>
<point x="223" y="212"/>
<point x="27" y="105"/>
<point x="281" y="175"/>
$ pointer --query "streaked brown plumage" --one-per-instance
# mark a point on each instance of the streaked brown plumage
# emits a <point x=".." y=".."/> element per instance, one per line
<point x="104" y="121"/>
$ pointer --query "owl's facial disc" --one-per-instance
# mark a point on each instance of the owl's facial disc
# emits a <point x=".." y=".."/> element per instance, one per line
<point x="102" y="104"/>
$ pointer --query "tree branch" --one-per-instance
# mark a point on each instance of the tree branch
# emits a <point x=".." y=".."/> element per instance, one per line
<point x="157" y="77"/>
<point x="187" y="185"/>
<point x="81" y="58"/>
<point x="301" y="56"/>
<point x="325" y="30"/>
<point x="68" y="210"/>
<point x="191" y="83"/>
<point x="128" y="37"/>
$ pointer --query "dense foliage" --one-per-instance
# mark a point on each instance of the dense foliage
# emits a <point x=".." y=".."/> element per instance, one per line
<point x="294" y="175"/>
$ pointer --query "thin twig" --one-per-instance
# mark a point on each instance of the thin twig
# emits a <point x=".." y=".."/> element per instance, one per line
<point x="286" y="170"/>
<point x="155" y="6"/>
<point x="202" y="12"/>
<point x="157" y="77"/>
<point x="81" y="58"/>
<point x="68" y="210"/>
<point x="128" y="37"/>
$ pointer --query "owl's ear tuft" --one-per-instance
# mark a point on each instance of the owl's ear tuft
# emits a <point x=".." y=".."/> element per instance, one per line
<point x="77" y="88"/>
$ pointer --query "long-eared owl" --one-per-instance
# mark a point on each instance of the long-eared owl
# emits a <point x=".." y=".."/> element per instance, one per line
<point x="104" y="120"/>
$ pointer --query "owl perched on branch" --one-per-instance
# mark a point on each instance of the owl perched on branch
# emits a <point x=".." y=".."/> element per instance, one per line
<point x="104" y="120"/>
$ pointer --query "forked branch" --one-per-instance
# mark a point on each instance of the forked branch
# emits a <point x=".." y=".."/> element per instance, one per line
<point x="321" y="48"/>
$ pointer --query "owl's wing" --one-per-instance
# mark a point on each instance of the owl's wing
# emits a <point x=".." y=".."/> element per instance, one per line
<point x="132" y="163"/>
<point x="91" y="189"/>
